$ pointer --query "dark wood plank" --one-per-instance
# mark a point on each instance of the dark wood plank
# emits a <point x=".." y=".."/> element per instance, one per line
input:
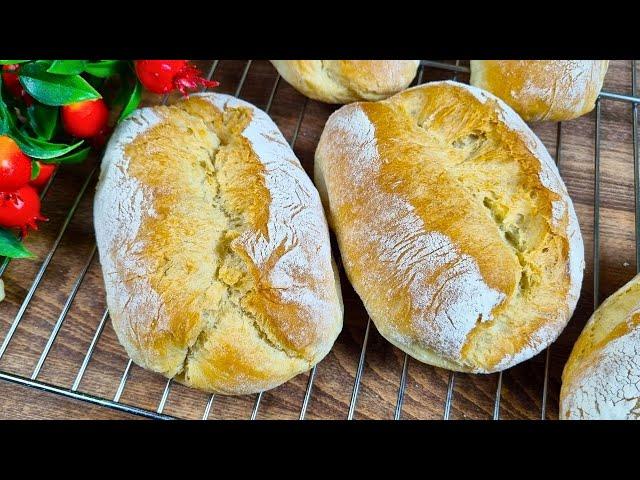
<point x="23" y="403"/>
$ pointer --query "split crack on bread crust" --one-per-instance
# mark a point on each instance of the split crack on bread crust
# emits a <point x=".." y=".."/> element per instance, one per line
<point x="465" y="187"/>
<point x="235" y="227"/>
<point x="470" y="145"/>
<point x="216" y="259"/>
<point x="234" y="120"/>
<point x="509" y="197"/>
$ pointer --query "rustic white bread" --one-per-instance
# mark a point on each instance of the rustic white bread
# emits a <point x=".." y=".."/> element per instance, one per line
<point x="345" y="81"/>
<point x="601" y="379"/>
<point x="454" y="225"/>
<point x="552" y="90"/>
<point x="214" y="247"/>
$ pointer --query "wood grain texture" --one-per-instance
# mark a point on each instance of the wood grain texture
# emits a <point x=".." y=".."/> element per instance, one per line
<point x="23" y="403"/>
<point x="473" y="396"/>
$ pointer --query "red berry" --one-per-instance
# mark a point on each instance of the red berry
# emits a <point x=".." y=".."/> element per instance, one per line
<point x="46" y="170"/>
<point x="15" y="166"/>
<point x="12" y="82"/>
<point x="164" y="76"/>
<point x="157" y="75"/>
<point x="85" y="119"/>
<point x="20" y="209"/>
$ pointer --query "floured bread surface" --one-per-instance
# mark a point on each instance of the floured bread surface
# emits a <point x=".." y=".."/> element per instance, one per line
<point x="552" y="90"/>
<point x="345" y="81"/>
<point x="453" y="224"/>
<point x="601" y="380"/>
<point x="214" y="247"/>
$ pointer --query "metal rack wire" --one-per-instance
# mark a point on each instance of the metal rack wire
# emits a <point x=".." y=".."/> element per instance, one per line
<point x="115" y="403"/>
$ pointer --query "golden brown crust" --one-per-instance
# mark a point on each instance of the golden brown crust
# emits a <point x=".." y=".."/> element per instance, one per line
<point x="551" y="90"/>
<point x="214" y="247"/>
<point x="601" y="379"/>
<point x="345" y="81"/>
<point x="453" y="225"/>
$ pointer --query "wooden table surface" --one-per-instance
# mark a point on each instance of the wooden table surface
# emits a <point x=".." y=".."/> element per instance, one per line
<point x="473" y="396"/>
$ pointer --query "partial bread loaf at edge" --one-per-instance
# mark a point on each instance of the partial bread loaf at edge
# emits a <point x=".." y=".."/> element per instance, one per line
<point x="552" y="90"/>
<point x="601" y="379"/>
<point x="453" y="224"/>
<point x="214" y="247"/>
<point x="345" y="81"/>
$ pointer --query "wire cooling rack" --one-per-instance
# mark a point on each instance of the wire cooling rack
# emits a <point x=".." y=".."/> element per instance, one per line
<point x="439" y="69"/>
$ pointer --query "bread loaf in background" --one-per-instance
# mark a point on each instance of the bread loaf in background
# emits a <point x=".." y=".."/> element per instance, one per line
<point x="345" y="81"/>
<point x="214" y="247"/>
<point x="601" y="379"/>
<point x="453" y="224"/>
<point x="552" y="90"/>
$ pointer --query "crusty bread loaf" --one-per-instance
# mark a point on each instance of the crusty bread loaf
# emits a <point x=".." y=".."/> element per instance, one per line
<point x="552" y="90"/>
<point x="214" y="247"/>
<point x="454" y="225"/>
<point x="345" y="81"/>
<point x="601" y="379"/>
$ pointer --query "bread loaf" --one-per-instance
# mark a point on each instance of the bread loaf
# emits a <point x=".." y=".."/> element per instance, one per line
<point x="601" y="379"/>
<point x="453" y="224"/>
<point x="345" y="81"/>
<point x="214" y="247"/>
<point x="552" y="90"/>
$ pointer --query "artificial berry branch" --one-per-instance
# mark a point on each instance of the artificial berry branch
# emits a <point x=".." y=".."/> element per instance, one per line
<point x="164" y="76"/>
<point x="55" y="112"/>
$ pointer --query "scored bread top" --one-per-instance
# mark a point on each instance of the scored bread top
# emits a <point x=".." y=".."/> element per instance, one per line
<point x="344" y="81"/>
<point x="214" y="247"/>
<point x="551" y="90"/>
<point x="601" y="379"/>
<point x="453" y="223"/>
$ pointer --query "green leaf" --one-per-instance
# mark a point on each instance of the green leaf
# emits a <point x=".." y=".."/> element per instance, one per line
<point x="43" y="119"/>
<point x="35" y="170"/>
<point x="33" y="147"/>
<point x="11" y="246"/>
<point x="133" y="102"/>
<point x="52" y="89"/>
<point x="7" y="120"/>
<point x="67" y="67"/>
<point x="12" y="62"/>
<point x="72" y="158"/>
<point x="41" y="149"/>
<point x="104" y="68"/>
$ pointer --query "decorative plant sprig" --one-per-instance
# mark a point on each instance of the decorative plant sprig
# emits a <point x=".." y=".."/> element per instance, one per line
<point x="55" y="112"/>
<point x="33" y="93"/>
